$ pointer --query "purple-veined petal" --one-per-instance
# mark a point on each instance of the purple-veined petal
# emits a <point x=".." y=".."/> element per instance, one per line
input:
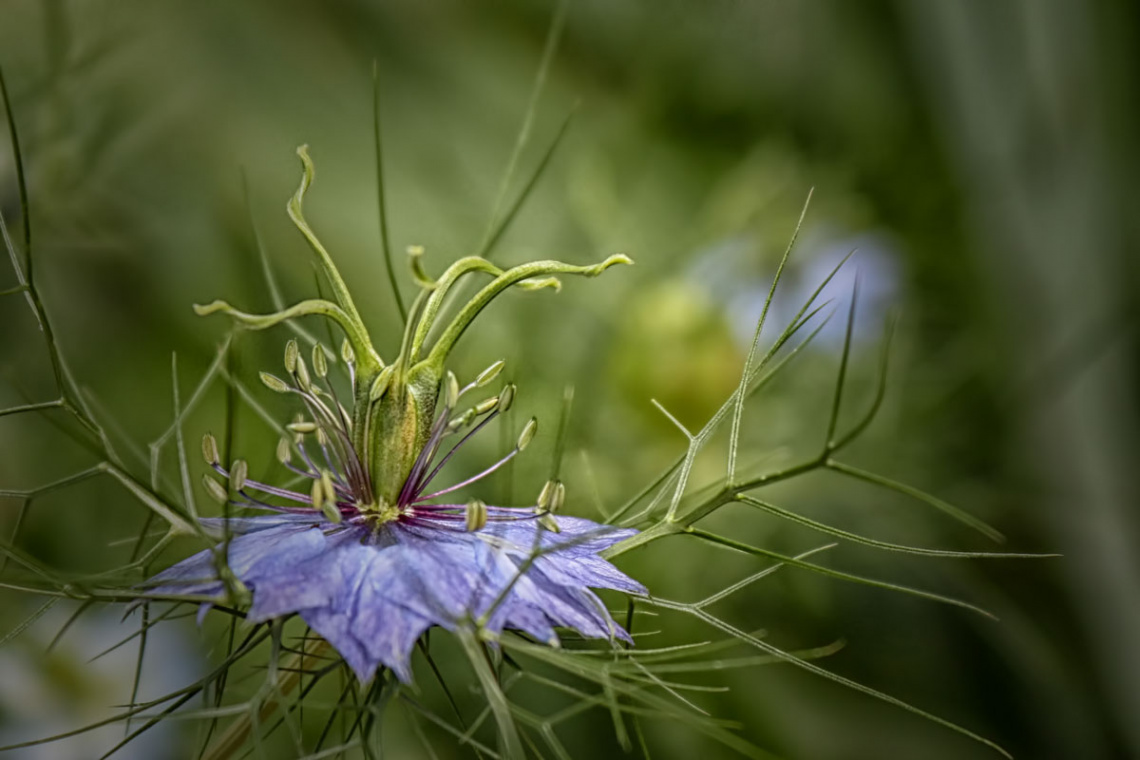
<point x="371" y="592"/>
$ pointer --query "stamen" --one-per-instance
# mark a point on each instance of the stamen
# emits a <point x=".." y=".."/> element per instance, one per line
<point x="323" y="442"/>
<point x="215" y="489"/>
<point x="356" y="474"/>
<point x="302" y="375"/>
<point x="473" y="479"/>
<point x="341" y="482"/>
<point x="344" y="421"/>
<point x="459" y="509"/>
<point x="559" y="497"/>
<point x="452" y="520"/>
<point x="328" y="498"/>
<point x="349" y="357"/>
<point x="475" y="516"/>
<point x="253" y="501"/>
<point x="426" y="455"/>
<point x="528" y="433"/>
<point x="501" y="403"/>
<point x="298" y="471"/>
<point x="316" y="471"/>
<point x="326" y="420"/>
<point x="331" y="513"/>
<point x="507" y="396"/>
<point x="320" y="364"/>
<point x="550" y="500"/>
<point x="284" y="450"/>
<point x="426" y="481"/>
<point x="487" y="376"/>
<point x="274" y="383"/>
<point x="317" y="408"/>
<point x="460" y="421"/>
<point x="545" y="495"/>
<point x="292" y="352"/>
<point x="487" y="405"/>
<point x="452" y="390"/>
<point x="210" y="450"/>
<point x="238" y="474"/>
<point x="271" y="490"/>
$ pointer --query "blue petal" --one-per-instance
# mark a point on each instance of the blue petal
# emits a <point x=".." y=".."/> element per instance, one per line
<point x="388" y="628"/>
<point x="198" y="575"/>
<point x="348" y="567"/>
<point x="336" y="628"/>
<point x="578" y="537"/>
<point x="476" y="573"/>
<point x="577" y="608"/>
<point x="531" y="620"/>
<point x="372" y="593"/>
<point x="300" y="576"/>
<point x="356" y="595"/>
<point x="590" y="571"/>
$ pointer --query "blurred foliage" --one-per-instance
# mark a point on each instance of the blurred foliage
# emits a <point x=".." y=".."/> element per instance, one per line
<point x="986" y="150"/>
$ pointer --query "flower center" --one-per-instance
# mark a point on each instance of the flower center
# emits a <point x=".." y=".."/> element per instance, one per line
<point x="379" y="514"/>
<point x="411" y="456"/>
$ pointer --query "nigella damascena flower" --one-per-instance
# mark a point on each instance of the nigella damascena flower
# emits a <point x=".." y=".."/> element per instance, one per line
<point x="375" y="552"/>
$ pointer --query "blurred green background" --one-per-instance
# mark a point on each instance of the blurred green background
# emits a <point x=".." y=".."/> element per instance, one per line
<point x="981" y="155"/>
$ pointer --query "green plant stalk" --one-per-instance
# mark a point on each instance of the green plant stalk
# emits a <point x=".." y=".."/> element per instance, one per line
<point x="288" y="679"/>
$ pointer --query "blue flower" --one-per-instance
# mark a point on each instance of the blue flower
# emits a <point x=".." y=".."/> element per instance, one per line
<point x="369" y="558"/>
<point x="372" y="593"/>
<point x="371" y="580"/>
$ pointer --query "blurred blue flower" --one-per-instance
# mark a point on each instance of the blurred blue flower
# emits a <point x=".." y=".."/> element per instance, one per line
<point x="724" y="270"/>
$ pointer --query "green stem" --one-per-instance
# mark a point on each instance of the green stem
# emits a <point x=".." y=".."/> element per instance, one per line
<point x="385" y="243"/>
<point x="178" y="524"/>
<point x="288" y="678"/>
<point x="496" y="699"/>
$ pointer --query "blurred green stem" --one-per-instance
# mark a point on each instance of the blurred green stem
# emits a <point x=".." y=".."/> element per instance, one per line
<point x="288" y="678"/>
